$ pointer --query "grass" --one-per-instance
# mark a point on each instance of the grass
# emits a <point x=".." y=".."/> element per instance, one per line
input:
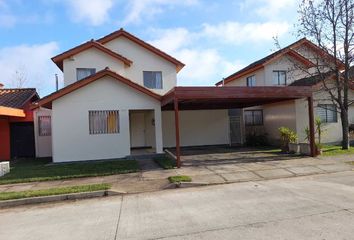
<point x="165" y="162"/>
<point x="53" y="191"/>
<point x="180" y="178"/>
<point x="30" y="170"/>
<point x="328" y="150"/>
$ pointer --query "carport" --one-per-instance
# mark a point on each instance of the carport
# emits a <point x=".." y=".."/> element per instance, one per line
<point x="198" y="98"/>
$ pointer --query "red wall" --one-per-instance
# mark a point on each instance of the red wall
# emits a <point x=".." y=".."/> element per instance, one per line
<point x="5" y="131"/>
<point x="4" y="139"/>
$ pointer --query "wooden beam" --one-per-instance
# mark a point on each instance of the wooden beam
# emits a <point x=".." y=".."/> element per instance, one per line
<point x="11" y="112"/>
<point x="178" y="150"/>
<point x="312" y="127"/>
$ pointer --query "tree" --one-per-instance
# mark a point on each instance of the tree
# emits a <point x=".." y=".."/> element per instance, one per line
<point x="19" y="77"/>
<point x="329" y="24"/>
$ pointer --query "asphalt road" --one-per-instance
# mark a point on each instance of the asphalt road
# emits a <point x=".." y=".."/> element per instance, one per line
<point x="318" y="207"/>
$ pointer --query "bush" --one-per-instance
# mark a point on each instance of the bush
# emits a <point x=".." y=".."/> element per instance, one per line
<point x="286" y="136"/>
<point x="256" y="140"/>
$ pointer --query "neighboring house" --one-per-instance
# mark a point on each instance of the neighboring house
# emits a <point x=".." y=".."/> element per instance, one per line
<point x="16" y="122"/>
<point x="286" y="68"/>
<point x="118" y="96"/>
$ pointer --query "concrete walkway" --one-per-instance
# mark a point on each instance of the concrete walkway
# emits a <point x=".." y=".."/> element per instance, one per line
<point x="314" y="207"/>
<point x="153" y="178"/>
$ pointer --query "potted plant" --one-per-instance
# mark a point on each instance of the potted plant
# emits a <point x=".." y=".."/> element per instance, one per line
<point x="305" y="147"/>
<point x="287" y="136"/>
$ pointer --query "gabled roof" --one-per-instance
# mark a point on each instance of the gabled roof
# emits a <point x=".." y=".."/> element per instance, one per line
<point x="58" y="60"/>
<point x="17" y="97"/>
<point x="311" y="80"/>
<point x="123" y="33"/>
<point x="266" y="60"/>
<point x="47" y="100"/>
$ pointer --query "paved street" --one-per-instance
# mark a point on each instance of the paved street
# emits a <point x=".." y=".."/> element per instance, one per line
<point x="310" y="207"/>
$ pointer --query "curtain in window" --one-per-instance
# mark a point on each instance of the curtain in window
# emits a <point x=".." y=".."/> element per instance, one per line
<point x="82" y="73"/>
<point x="103" y="122"/>
<point x="158" y="80"/>
<point x="44" y="126"/>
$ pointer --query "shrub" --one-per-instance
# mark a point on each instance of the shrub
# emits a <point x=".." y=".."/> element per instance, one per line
<point x="286" y="136"/>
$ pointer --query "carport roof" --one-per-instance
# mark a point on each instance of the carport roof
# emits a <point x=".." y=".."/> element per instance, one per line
<point x="228" y="97"/>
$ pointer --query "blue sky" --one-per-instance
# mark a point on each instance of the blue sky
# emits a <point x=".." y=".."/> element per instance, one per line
<point x="213" y="38"/>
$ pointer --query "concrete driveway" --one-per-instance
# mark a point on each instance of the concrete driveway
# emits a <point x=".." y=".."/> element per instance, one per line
<point x="311" y="207"/>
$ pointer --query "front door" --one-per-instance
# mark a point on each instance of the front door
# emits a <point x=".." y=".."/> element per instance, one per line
<point x="22" y="140"/>
<point x="235" y="130"/>
<point x="137" y="129"/>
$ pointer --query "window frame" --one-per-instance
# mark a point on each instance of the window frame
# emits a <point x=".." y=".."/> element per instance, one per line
<point x="42" y="133"/>
<point x="326" y="108"/>
<point x="252" y="77"/>
<point x="253" y="117"/>
<point x="278" y="77"/>
<point x="103" y="123"/>
<point x="77" y="72"/>
<point x="153" y="72"/>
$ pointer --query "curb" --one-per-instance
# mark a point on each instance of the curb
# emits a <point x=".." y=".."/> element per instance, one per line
<point x="57" y="198"/>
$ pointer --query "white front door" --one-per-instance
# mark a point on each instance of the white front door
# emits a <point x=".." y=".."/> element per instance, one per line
<point x="137" y="129"/>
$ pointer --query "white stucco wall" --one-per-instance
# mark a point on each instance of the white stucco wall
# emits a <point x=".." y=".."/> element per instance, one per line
<point x="197" y="127"/>
<point x="278" y="115"/>
<point x="144" y="60"/>
<point x="242" y="82"/>
<point x="70" y="122"/>
<point x="43" y="143"/>
<point x="90" y="58"/>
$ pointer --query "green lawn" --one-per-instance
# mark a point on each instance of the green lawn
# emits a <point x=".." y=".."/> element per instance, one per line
<point x="165" y="162"/>
<point x="179" y="178"/>
<point x="335" y="150"/>
<point x="30" y="170"/>
<point x="53" y="191"/>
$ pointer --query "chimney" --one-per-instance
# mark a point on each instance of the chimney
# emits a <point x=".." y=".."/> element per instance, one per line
<point x="1" y="85"/>
<point x="56" y="82"/>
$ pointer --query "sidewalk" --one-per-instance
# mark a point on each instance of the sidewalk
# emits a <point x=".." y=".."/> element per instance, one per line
<point x="153" y="178"/>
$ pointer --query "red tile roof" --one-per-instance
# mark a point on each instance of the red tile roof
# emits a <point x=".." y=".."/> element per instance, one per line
<point x="17" y="97"/>
<point x="47" y="100"/>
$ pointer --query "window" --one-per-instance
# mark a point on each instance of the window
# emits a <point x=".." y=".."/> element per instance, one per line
<point x="152" y="80"/>
<point x="251" y="81"/>
<point x="103" y="122"/>
<point x="44" y="126"/>
<point x="279" y="77"/>
<point x="81" y="73"/>
<point x="253" y="117"/>
<point x="327" y="113"/>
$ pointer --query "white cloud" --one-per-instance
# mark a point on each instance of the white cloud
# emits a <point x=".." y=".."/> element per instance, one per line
<point x="93" y="12"/>
<point x="270" y="9"/>
<point x="139" y="9"/>
<point x="204" y="66"/>
<point x="237" y="33"/>
<point x="32" y="61"/>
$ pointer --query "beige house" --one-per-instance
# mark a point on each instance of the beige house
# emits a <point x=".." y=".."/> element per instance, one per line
<point x="290" y="66"/>
<point x="119" y="93"/>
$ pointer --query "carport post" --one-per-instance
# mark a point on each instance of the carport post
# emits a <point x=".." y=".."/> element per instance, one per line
<point x="312" y="127"/>
<point x="178" y="152"/>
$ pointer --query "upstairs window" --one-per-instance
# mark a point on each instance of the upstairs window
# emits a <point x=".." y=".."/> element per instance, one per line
<point x="327" y="113"/>
<point x="279" y="77"/>
<point x="254" y="117"/>
<point x="251" y="81"/>
<point x="81" y="73"/>
<point x="44" y="126"/>
<point x="103" y="122"/>
<point x="152" y="80"/>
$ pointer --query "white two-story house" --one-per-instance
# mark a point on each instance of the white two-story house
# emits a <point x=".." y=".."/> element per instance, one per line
<point x="120" y="95"/>
<point x="293" y="65"/>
